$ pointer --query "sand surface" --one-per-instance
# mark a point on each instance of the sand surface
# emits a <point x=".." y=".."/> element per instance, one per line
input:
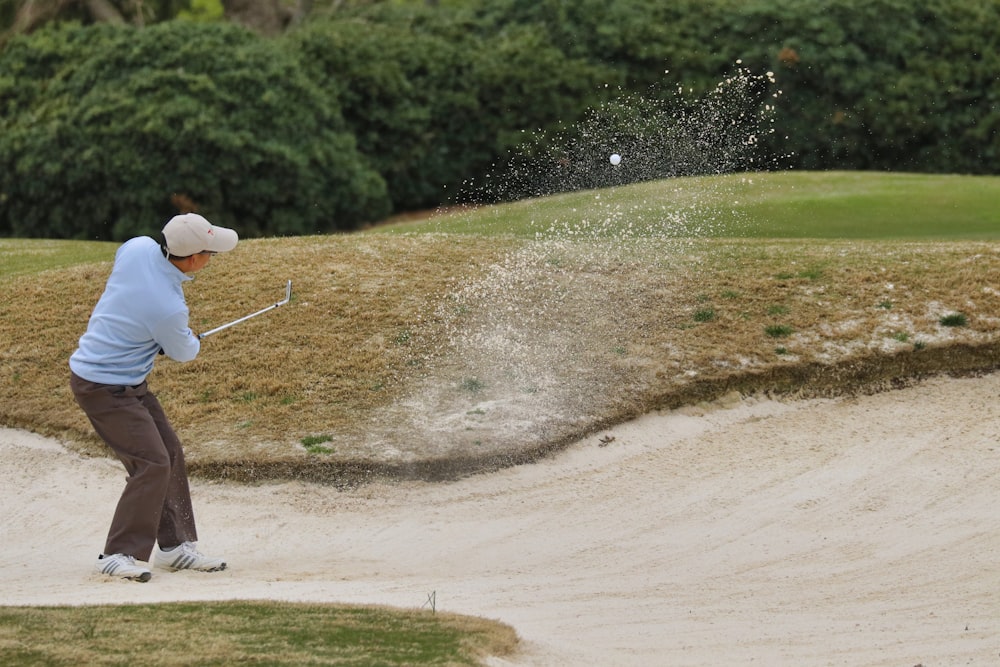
<point x="857" y="531"/>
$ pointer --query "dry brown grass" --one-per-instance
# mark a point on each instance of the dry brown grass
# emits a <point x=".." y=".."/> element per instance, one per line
<point x="436" y="355"/>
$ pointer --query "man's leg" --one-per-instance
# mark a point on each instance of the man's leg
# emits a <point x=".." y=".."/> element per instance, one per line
<point x="177" y="523"/>
<point x="126" y="425"/>
<point x="177" y="533"/>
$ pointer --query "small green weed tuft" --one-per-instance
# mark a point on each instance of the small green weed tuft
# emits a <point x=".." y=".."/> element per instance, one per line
<point x="314" y="444"/>
<point x="704" y="315"/>
<point x="473" y="385"/>
<point x="901" y="336"/>
<point x="954" y="320"/>
<point x="778" y="330"/>
<point x="777" y="310"/>
<point x="886" y="305"/>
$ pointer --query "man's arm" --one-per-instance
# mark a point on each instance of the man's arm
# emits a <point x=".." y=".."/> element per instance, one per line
<point x="176" y="338"/>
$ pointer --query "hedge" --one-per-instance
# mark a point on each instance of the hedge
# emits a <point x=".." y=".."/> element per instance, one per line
<point x="107" y="131"/>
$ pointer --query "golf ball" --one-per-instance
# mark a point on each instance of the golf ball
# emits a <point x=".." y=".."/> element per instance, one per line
<point x="615" y="158"/>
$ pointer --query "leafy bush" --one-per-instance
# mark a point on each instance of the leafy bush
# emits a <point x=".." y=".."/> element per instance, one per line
<point x="106" y="132"/>
<point x="866" y="84"/>
<point x="431" y="102"/>
<point x="402" y="105"/>
<point x="888" y="84"/>
<point x="397" y="100"/>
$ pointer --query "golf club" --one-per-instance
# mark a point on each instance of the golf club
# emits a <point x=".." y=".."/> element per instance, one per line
<point x="288" y="297"/>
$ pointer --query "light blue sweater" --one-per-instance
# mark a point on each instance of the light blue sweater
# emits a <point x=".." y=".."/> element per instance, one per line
<point x="141" y="312"/>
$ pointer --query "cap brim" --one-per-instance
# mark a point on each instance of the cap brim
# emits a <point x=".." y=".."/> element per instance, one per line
<point x="222" y="239"/>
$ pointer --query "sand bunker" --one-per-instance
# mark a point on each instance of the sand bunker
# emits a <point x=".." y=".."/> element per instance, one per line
<point x="858" y="531"/>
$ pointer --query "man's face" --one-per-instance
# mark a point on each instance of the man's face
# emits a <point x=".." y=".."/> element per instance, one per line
<point x="199" y="261"/>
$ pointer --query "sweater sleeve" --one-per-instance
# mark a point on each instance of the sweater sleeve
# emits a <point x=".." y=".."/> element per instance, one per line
<point x="176" y="338"/>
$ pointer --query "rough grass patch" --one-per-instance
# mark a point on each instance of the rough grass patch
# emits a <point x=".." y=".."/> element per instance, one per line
<point x="314" y="444"/>
<point x="777" y="309"/>
<point x="778" y="330"/>
<point x="704" y="315"/>
<point x="472" y="385"/>
<point x="811" y="274"/>
<point x="249" y="632"/>
<point x="954" y="320"/>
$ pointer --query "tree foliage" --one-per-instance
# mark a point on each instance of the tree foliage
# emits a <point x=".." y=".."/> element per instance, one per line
<point x="433" y="103"/>
<point x="106" y="131"/>
<point x="882" y="85"/>
<point x="378" y="105"/>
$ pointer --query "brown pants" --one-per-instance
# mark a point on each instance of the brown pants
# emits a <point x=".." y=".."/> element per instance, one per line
<point x="156" y="503"/>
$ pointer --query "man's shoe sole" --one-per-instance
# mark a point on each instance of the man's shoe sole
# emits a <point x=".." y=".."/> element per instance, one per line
<point x="193" y="569"/>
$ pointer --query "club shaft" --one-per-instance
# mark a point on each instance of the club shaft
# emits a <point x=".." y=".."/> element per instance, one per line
<point x="288" y="296"/>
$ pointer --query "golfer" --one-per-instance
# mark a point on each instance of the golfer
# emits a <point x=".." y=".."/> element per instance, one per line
<point x="141" y="314"/>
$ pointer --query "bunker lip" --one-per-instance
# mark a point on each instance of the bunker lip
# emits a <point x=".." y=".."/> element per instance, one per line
<point x="851" y="377"/>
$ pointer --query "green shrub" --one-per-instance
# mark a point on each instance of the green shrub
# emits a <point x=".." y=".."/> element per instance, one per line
<point x="396" y="99"/>
<point x="877" y="84"/>
<point x="866" y="84"/>
<point x="106" y="129"/>
<point x="403" y="105"/>
<point x="432" y="103"/>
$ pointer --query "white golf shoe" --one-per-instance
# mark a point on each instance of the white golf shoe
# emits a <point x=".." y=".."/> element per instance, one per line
<point x="120" y="565"/>
<point x="186" y="557"/>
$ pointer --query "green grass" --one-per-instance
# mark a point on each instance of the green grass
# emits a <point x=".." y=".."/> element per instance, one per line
<point x="778" y="330"/>
<point x="704" y="315"/>
<point x="314" y="444"/>
<point x="31" y="256"/>
<point x="954" y="320"/>
<point x="245" y="632"/>
<point x="792" y="205"/>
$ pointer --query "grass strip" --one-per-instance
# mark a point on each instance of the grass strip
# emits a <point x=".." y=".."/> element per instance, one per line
<point x="246" y="632"/>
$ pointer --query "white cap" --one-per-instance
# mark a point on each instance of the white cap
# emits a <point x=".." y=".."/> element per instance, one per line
<point x="190" y="234"/>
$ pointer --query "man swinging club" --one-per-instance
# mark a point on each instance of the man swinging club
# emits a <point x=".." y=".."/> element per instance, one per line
<point x="142" y="313"/>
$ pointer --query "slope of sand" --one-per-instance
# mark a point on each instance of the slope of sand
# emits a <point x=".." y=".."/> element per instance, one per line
<point x="858" y="531"/>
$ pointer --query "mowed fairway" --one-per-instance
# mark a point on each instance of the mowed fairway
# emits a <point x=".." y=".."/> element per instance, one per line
<point x="733" y="523"/>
